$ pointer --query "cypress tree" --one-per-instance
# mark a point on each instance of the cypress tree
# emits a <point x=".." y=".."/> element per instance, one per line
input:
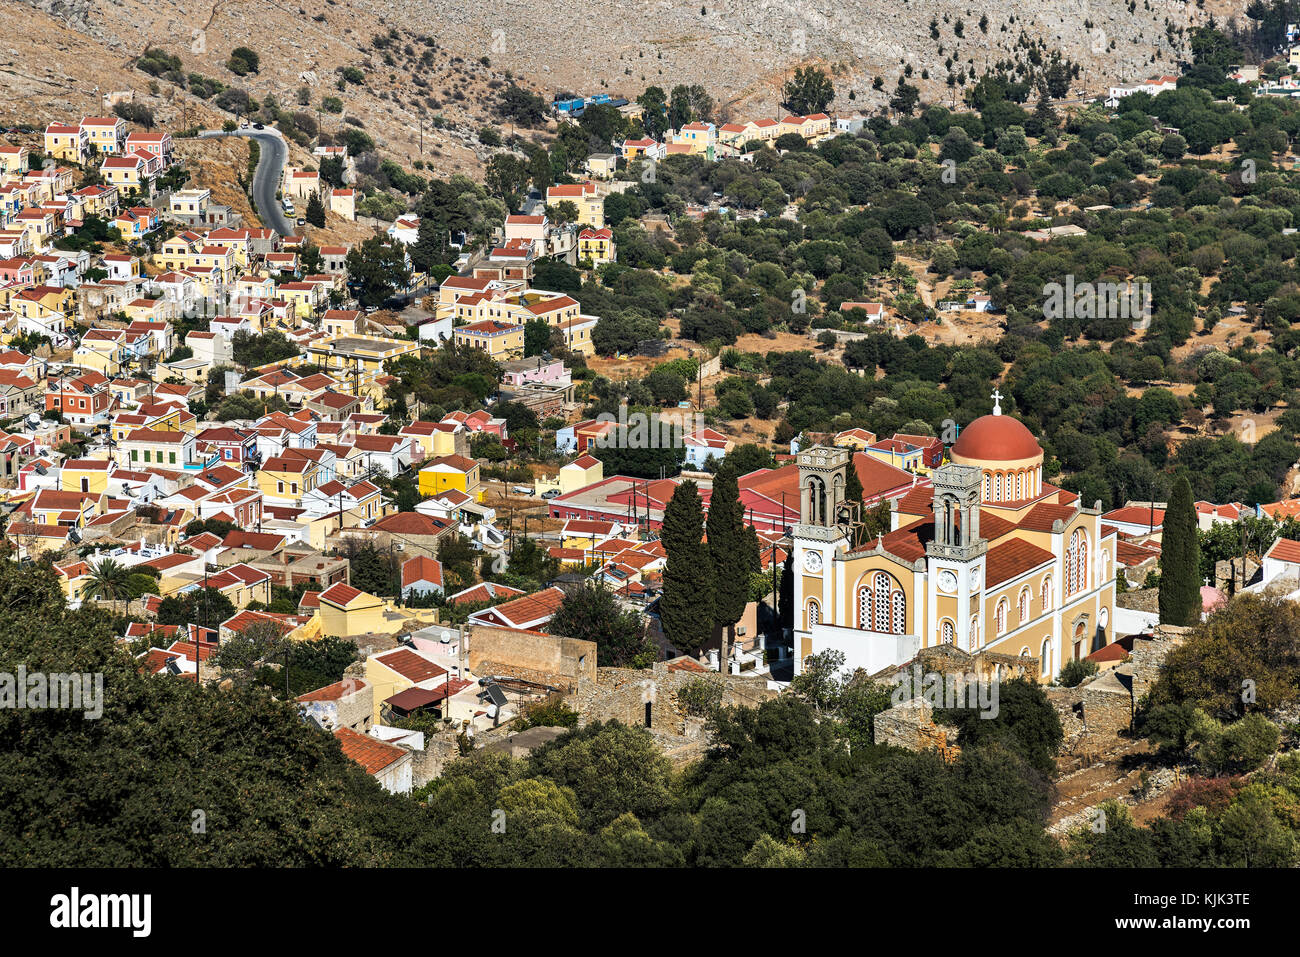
<point x="1180" y="559"/>
<point x="853" y="491"/>
<point x="686" y="605"/>
<point x="733" y="555"/>
<point x="315" y="211"/>
<point x="785" y="600"/>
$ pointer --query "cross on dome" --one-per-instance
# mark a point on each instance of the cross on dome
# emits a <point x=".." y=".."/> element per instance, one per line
<point x="997" y="401"/>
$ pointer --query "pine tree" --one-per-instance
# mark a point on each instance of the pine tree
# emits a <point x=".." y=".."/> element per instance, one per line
<point x="733" y="555"/>
<point x="686" y="606"/>
<point x="1180" y="559"/>
<point x="315" y="211"/>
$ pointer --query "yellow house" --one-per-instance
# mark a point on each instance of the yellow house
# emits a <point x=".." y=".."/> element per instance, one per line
<point x="39" y="225"/>
<point x="72" y="508"/>
<point x="581" y="472"/>
<point x="591" y="205"/>
<point x="596" y="245"/>
<point x="432" y="438"/>
<point x="105" y="134"/>
<point x="124" y="172"/>
<point x="500" y="340"/>
<point x="450" y="472"/>
<point x="700" y="137"/>
<point x="148" y="310"/>
<point x="13" y="159"/>
<point x="288" y="477"/>
<point x="363" y="356"/>
<point x="392" y="672"/>
<point x="221" y="258"/>
<point x="45" y="306"/>
<point x="102" y="351"/>
<point x="71" y="143"/>
<point x="176" y="253"/>
<point x="88" y="476"/>
<point x="307" y="297"/>
<point x="587" y="533"/>
<point x="346" y="612"/>
<point x="602" y="165"/>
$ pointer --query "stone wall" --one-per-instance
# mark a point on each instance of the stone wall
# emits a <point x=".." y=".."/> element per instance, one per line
<point x="531" y="656"/>
<point x="1149" y="654"/>
<point x="439" y="751"/>
<point x="911" y="725"/>
<point x="947" y="659"/>
<point x="1108" y="704"/>
<point x="622" y="694"/>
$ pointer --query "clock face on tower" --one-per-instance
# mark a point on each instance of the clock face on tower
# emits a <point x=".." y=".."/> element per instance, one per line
<point x="947" y="581"/>
<point x="974" y="578"/>
<point x="812" y="561"/>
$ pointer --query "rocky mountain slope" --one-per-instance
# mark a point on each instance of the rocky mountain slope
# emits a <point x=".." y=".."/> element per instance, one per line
<point x="62" y="53"/>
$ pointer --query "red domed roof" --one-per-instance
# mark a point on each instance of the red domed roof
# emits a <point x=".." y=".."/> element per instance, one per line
<point x="996" y="438"/>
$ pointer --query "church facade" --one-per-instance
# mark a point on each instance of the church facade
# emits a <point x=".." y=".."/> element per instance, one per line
<point x="988" y="558"/>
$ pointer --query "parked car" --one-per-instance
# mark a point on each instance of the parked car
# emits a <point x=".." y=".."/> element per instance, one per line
<point x="551" y="493"/>
<point x="301" y="221"/>
<point x="258" y="126"/>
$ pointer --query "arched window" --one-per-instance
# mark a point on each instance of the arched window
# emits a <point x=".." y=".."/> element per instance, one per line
<point x="1045" y="657"/>
<point x="1022" y="605"/>
<point x="816" y="501"/>
<point x="997" y="488"/>
<point x="864" y="607"/>
<point x="1000" y="617"/>
<point x="988" y="487"/>
<point x="882" y="605"/>
<point x="814" y="612"/>
<point x="1076" y="563"/>
<point x="974" y="632"/>
<point x="1020" y="489"/>
<point x="947" y="631"/>
<point x="880" y="586"/>
<point x="1047" y="593"/>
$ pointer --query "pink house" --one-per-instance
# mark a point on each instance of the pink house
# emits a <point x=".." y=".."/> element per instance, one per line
<point x="534" y="370"/>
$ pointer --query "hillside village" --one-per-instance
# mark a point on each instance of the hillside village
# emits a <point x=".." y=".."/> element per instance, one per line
<point x="666" y="425"/>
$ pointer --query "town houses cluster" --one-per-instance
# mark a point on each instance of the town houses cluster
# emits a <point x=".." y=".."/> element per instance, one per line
<point x="134" y="430"/>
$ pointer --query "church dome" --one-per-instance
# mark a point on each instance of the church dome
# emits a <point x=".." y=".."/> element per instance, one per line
<point x="996" y="438"/>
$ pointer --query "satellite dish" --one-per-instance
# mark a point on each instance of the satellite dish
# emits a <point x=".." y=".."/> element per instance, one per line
<point x="446" y="637"/>
<point x="491" y="711"/>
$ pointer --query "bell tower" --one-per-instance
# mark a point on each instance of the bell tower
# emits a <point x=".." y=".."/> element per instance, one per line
<point x="823" y="477"/>
<point x="957" y="514"/>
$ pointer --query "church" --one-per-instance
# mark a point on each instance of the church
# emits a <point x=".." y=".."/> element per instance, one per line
<point x="989" y="558"/>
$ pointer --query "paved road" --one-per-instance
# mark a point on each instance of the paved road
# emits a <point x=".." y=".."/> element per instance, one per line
<point x="266" y="178"/>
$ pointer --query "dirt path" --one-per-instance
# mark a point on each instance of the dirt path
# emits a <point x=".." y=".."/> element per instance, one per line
<point x="1105" y="780"/>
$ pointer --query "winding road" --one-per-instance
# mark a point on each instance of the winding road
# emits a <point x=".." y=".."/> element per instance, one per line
<point x="266" y="178"/>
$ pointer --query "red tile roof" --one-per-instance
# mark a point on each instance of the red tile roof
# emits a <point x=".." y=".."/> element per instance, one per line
<point x="372" y="754"/>
<point x="410" y="665"/>
<point x="335" y="691"/>
<point x="421" y="568"/>
<point x="1285" y="550"/>
<point x="340" y="593"/>
<point x="1012" y="558"/>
